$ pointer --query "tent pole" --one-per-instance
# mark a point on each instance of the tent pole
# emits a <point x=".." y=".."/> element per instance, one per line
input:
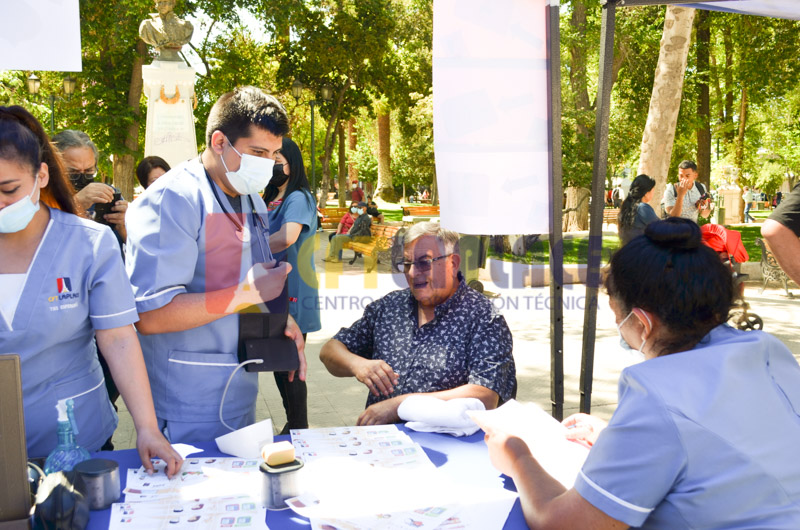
<point x="556" y="200"/>
<point x="598" y="202"/>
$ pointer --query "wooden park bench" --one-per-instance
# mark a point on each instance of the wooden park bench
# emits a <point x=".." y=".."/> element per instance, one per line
<point x="420" y="210"/>
<point x="382" y="239"/>
<point x="610" y="216"/>
<point x="332" y="216"/>
<point x="770" y="270"/>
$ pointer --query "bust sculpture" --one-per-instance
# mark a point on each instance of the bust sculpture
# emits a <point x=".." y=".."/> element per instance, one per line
<point x="165" y="31"/>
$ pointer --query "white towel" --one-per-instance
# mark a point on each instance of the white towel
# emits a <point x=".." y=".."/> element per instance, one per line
<point x="430" y="414"/>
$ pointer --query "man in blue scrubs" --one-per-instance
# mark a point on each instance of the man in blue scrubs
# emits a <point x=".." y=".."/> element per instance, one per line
<point x="198" y="252"/>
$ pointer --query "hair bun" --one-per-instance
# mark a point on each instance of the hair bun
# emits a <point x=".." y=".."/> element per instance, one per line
<point x="674" y="233"/>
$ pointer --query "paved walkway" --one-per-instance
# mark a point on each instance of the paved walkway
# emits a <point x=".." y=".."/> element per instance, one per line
<point x="345" y="290"/>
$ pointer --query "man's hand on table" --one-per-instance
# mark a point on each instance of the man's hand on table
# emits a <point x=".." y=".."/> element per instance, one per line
<point x="381" y="413"/>
<point x="151" y="444"/>
<point x="377" y="375"/>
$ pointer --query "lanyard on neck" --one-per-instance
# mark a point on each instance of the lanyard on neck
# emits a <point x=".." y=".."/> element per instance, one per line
<point x="242" y="233"/>
<point x="240" y="229"/>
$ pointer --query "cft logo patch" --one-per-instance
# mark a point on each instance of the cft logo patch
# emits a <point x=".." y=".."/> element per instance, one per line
<point x="64" y="285"/>
<point x="64" y="294"/>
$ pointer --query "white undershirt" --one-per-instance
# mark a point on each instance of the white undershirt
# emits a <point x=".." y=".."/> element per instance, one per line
<point x="11" y="286"/>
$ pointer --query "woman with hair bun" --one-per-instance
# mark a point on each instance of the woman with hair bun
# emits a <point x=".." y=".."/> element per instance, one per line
<point x="63" y="283"/>
<point x="705" y="434"/>
<point x="635" y="213"/>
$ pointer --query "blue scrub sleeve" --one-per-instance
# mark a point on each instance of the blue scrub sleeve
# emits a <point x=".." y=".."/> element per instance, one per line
<point x="163" y="229"/>
<point x="111" y="302"/>
<point x="636" y="460"/>
<point x="360" y="337"/>
<point x="298" y="209"/>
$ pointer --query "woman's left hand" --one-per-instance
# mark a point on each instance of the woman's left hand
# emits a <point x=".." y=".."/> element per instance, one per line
<point x="151" y="443"/>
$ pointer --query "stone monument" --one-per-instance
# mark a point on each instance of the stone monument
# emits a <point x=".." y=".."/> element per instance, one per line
<point x="169" y="86"/>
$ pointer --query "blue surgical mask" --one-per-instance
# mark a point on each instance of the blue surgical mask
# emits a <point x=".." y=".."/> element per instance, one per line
<point x="16" y="217"/>
<point x="354" y="210"/>
<point x="253" y="174"/>
<point x="637" y="354"/>
<point x="361" y="211"/>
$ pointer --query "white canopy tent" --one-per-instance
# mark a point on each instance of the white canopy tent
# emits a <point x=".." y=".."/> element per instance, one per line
<point x="766" y="8"/>
<point x="789" y="9"/>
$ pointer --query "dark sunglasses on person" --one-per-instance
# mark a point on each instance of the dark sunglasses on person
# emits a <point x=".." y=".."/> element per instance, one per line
<point x="422" y="264"/>
<point x="81" y="180"/>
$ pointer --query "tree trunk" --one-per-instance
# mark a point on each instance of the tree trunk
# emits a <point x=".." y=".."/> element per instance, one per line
<point x="385" y="186"/>
<point x="739" y="153"/>
<point x="665" y="102"/>
<point x="434" y="190"/>
<point x="703" y="32"/>
<point x="352" y="145"/>
<point x="328" y="148"/>
<point x="577" y="73"/>
<point x="576" y="216"/>
<point x="728" y="117"/>
<point x="342" y="166"/>
<point x="124" y="164"/>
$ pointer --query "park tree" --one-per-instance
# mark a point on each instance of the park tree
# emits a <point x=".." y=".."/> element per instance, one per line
<point x="659" y="132"/>
<point x="341" y="44"/>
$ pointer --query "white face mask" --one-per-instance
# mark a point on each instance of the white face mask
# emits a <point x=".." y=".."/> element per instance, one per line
<point x="253" y="174"/>
<point x="16" y="217"/>
<point x="637" y="354"/>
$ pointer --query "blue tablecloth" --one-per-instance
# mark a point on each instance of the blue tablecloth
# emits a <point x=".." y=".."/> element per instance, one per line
<point x="465" y="459"/>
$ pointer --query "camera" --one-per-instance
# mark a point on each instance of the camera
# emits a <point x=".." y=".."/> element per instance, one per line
<point x="103" y="208"/>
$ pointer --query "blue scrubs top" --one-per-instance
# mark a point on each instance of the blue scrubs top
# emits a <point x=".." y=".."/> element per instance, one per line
<point x="181" y="241"/>
<point x="706" y="438"/>
<point x="76" y="284"/>
<point x="299" y="208"/>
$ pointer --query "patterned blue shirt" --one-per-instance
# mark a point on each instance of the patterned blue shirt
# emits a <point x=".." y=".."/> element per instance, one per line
<point x="467" y="342"/>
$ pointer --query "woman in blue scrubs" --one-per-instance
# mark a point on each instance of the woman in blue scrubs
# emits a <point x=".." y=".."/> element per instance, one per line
<point x="63" y="283"/>
<point x="705" y="434"/>
<point x="292" y="226"/>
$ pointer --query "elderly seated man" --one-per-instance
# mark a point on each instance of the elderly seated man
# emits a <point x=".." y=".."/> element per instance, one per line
<point x="438" y="337"/>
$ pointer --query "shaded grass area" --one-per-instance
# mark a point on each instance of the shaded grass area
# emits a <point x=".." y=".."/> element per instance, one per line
<point x="392" y="215"/>
<point x="749" y="235"/>
<point x="576" y="251"/>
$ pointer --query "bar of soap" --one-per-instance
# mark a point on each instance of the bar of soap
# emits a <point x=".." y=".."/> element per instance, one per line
<point x="278" y="453"/>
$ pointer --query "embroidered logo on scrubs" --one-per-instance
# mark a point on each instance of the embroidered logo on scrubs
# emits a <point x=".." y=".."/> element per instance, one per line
<point x="65" y="294"/>
<point x="64" y="285"/>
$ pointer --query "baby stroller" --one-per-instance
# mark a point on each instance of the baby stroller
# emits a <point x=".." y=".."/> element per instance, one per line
<point x="728" y="244"/>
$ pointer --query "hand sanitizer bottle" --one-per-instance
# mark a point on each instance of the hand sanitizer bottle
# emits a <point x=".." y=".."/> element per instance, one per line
<point x="67" y="453"/>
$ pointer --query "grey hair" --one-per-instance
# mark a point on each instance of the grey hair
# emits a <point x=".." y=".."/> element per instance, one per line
<point x="69" y="138"/>
<point x="447" y="238"/>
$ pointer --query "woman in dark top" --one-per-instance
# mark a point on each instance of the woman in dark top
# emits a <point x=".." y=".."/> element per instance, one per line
<point x="635" y="212"/>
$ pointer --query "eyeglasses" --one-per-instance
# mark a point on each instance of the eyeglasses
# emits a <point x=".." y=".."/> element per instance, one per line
<point x="421" y="264"/>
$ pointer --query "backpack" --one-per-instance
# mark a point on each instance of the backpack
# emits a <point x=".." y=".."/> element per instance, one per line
<point x="697" y="185"/>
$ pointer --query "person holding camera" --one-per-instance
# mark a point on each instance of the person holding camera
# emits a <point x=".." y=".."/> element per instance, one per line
<point x="687" y="198"/>
<point x="63" y="284"/>
<point x="101" y="202"/>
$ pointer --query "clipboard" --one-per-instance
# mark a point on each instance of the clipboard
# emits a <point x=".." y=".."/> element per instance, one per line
<point x="262" y="336"/>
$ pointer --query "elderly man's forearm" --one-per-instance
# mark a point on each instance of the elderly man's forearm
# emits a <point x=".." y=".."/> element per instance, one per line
<point x="785" y="246"/>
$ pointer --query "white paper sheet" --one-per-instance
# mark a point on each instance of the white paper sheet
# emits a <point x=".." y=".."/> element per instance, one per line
<point x="40" y="35"/>
<point x="490" y="115"/>
<point x="544" y="435"/>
